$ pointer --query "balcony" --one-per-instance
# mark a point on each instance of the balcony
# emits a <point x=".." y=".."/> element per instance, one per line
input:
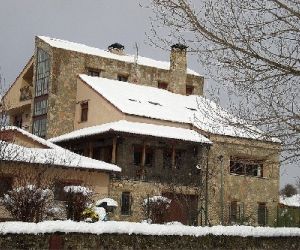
<point x="25" y="93"/>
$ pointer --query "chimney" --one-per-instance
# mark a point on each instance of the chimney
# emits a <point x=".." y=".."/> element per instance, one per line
<point x="178" y="69"/>
<point x="116" y="48"/>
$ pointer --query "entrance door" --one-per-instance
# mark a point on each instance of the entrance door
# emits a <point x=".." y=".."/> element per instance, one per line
<point x="183" y="208"/>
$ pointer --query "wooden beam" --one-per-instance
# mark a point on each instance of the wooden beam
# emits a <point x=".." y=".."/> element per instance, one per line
<point x="143" y="155"/>
<point x="173" y="156"/>
<point x="114" y="151"/>
<point x="90" y="149"/>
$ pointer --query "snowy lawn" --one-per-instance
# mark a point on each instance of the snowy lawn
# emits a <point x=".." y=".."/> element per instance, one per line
<point x="142" y="228"/>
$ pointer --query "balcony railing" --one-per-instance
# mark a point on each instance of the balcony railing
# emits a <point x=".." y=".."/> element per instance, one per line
<point x="167" y="176"/>
<point x="25" y="93"/>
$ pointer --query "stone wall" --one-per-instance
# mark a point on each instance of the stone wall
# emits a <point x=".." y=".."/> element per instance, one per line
<point x="124" y="241"/>
<point x="65" y="67"/>
<point x="246" y="190"/>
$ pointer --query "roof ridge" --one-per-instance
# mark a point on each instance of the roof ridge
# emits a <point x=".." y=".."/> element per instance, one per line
<point x="145" y="61"/>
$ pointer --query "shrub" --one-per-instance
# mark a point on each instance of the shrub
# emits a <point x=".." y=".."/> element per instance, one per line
<point x="156" y="208"/>
<point x="78" y="199"/>
<point x="28" y="203"/>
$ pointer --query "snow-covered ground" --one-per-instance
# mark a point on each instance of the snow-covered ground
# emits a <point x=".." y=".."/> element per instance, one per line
<point x="293" y="201"/>
<point x="142" y="228"/>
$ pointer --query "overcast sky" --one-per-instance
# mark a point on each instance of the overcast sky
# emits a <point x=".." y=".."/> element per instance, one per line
<point x="96" y="23"/>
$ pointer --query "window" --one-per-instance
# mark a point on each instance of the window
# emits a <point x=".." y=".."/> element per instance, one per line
<point x="149" y="157"/>
<point x="39" y="126"/>
<point x="5" y="185"/>
<point x="189" y="89"/>
<point x="126" y="203"/>
<point x="106" y="154"/>
<point x="246" y="167"/>
<point x="262" y="214"/>
<point x="123" y="78"/>
<point x="137" y="155"/>
<point x="84" y="111"/>
<point x="167" y="158"/>
<point x="162" y="85"/>
<point x="59" y="193"/>
<point x="18" y="120"/>
<point x="42" y="73"/>
<point x="94" y="72"/>
<point x="233" y="211"/>
<point x="179" y="154"/>
<point x="155" y="103"/>
<point x="40" y="107"/>
<point x="236" y="212"/>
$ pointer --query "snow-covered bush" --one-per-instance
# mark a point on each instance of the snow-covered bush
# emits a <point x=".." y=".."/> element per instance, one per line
<point x="156" y="208"/>
<point x="78" y="199"/>
<point x="28" y="203"/>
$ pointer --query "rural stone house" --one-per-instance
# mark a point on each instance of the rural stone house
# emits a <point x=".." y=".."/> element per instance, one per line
<point x="151" y="119"/>
<point x="26" y="159"/>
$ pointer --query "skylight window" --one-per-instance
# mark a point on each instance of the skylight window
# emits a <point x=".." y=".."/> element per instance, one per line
<point x="192" y="109"/>
<point x="133" y="100"/>
<point x="155" y="103"/>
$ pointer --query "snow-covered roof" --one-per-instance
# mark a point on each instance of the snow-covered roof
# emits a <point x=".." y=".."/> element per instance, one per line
<point x="31" y="136"/>
<point x="53" y="156"/>
<point x="63" y="44"/>
<point x="161" y="104"/>
<point x="138" y="129"/>
<point x="293" y="201"/>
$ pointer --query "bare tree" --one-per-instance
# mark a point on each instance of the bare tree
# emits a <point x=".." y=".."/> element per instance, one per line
<point x="251" y="46"/>
<point x="289" y="190"/>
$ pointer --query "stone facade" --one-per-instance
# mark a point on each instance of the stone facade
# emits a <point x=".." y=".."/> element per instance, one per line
<point x="66" y="65"/>
<point x="247" y="191"/>
<point x="150" y="180"/>
<point x="66" y="92"/>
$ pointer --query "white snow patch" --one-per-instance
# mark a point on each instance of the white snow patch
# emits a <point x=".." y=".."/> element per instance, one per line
<point x="293" y="201"/>
<point x="63" y="44"/>
<point x="157" y="199"/>
<point x="138" y="129"/>
<point x="54" y="156"/>
<point x="78" y="190"/>
<point x="101" y="212"/>
<point x="33" y="137"/>
<point x="142" y="228"/>
<point x="110" y="202"/>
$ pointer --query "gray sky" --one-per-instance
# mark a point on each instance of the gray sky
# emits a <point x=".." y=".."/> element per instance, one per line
<point x="96" y="23"/>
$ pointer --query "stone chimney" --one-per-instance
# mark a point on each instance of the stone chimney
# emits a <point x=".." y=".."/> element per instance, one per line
<point x="178" y="69"/>
<point x="116" y="48"/>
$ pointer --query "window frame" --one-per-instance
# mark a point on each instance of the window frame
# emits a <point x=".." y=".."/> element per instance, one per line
<point x="41" y="122"/>
<point x="9" y="182"/>
<point x="123" y="77"/>
<point x="84" y="110"/>
<point x="94" y="72"/>
<point x="42" y="73"/>
<point x="137" y="155"/>
<point x="246" y="167"/>
<point x="189" y="89"/>
<point x="262" y="208"/>
<point x="126" y="202"/>
<point x="162" y="85"/>
<point x="43" y="110"/>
